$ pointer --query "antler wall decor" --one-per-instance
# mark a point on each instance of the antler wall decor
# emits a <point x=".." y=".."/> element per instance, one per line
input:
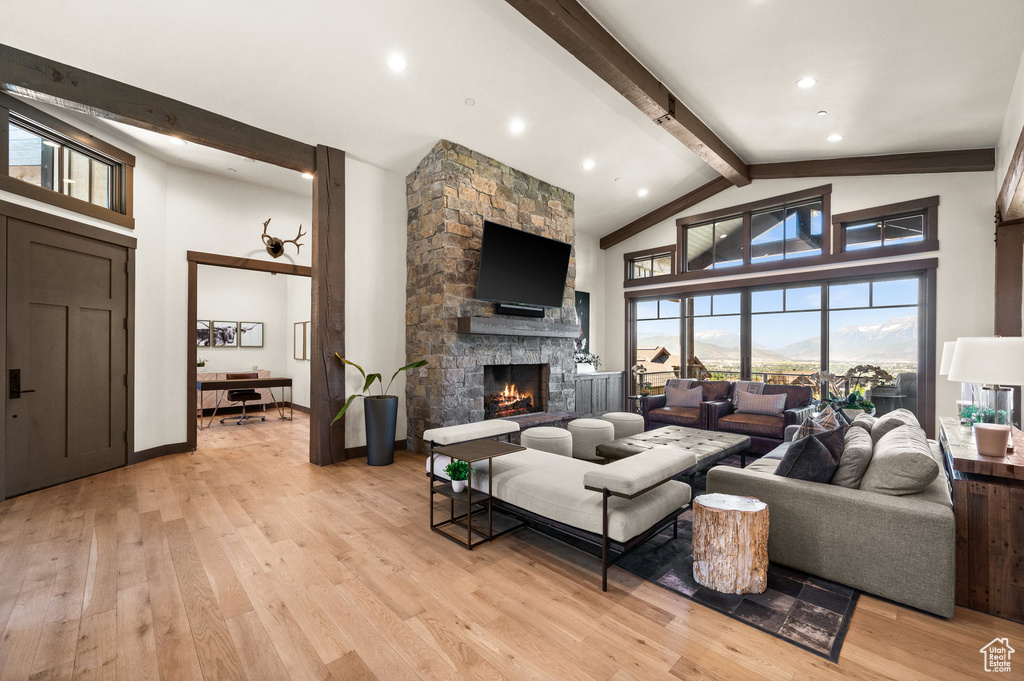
<point x="275" y="246"/>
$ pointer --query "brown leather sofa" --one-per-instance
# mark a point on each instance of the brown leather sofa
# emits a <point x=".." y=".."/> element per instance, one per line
<point x="656" y="414"/>
<point x="766" y="432"/>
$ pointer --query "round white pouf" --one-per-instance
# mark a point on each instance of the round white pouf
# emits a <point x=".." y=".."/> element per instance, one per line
<point x="548" y="439"/>
<point x="626" y="424"/>
<point x="587" y="434"/>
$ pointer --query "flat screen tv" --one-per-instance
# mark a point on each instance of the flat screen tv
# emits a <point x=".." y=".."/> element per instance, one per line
<point x="521" y="268"/>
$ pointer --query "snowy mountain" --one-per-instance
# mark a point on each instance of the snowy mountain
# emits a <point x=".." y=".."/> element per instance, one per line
<point x="894" y="340"/>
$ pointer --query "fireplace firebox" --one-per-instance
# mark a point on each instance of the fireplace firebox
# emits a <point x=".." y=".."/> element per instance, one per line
<point x="515" y="390"/>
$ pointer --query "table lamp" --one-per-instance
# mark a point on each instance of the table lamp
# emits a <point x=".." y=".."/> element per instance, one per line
<point x="966" y="389"/>
<point x="995" y="363"/>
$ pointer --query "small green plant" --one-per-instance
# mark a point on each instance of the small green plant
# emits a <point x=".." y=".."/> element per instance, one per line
<point x="855" y="400"/>
<point x="457" y="470"/>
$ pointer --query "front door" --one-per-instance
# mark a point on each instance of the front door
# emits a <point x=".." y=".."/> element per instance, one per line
<point x="66" y="357"/>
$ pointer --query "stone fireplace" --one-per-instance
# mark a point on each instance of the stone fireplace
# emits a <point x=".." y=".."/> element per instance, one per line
<point x="449" y="195"/>
<point x="515" y="390"/>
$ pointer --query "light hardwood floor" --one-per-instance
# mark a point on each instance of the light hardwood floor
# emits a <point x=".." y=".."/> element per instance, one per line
<point x="244" y="561"/>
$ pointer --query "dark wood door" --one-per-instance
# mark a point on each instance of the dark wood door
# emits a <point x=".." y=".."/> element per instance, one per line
<point x="67" y="336"/>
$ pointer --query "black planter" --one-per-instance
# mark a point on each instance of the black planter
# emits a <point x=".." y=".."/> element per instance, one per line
<point x="381" y="418"/>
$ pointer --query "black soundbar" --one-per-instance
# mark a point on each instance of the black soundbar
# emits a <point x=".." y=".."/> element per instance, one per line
<point x="519" y="310"/>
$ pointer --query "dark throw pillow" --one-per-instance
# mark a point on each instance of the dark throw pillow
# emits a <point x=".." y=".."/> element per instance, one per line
<point x="808" y="459"/>
<point x="834" y="441"/>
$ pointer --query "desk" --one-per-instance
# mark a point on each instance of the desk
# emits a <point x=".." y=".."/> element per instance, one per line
<point x="242" y="383"/>
<point x="988" y="493"/>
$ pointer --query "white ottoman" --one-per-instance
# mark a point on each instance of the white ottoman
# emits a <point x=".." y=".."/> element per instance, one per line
<point x="625" y="423"/>
<point x="587" y="434"/>
<point x="548" y="439"/>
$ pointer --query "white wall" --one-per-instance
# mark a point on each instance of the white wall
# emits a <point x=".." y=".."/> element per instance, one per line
<point x="230" y="295"/>
<point x="965" y="279"/>
<point x="179" y="209"/>
<point x="375" y="276"/>
<point x="1012" y="125"/>
<point x="590" y="277"/>
<point x="299" y="307"/>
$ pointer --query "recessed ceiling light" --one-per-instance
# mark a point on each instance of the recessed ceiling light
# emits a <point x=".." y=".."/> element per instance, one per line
<point x="177" y="141"/>
<point x="641" y="192"/>
<point x="834" y="137"/>
<point x="232" y="170"/>
<point x="308" y="176"/>
<point x="806" y="82"/>
<point x="470" y="101"/>
<point x="588" y="164"/>
<point x="397" y="63"/>
<point x="517" y="126"/>
<point x="722" y="236"/>
<point x="823" y="113"/>
<point x="248" y="160"/>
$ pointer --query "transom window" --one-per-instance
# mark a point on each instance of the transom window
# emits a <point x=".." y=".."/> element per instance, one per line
<point x="51" y="161"/>
<point x="758" y="235"/>
<point x="652" y="262"/>
<point x="901" y="227"/>
<point x="46" y="160"/>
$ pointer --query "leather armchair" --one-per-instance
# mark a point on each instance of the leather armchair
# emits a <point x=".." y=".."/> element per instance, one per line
<point x="765" y="432"/>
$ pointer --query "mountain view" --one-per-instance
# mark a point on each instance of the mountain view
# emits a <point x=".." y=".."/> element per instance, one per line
<point x="890" y="343"/>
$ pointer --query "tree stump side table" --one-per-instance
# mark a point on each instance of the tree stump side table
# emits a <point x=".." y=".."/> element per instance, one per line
<point x="730" y="543"/>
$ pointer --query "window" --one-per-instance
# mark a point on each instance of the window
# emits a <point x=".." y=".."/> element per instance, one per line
<point x="51" y="161"/>
<point x="906" y="227"/>
<point x="653" y="262"/>
<point x="756" y="236"/>
<point x="841" y="335"/>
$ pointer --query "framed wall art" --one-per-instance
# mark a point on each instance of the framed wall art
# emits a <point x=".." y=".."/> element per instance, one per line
<point x="225" y="334"/>
<point x="203" y="333"/>
<point x="250" y="334"/>
<point x="299" y="340"/>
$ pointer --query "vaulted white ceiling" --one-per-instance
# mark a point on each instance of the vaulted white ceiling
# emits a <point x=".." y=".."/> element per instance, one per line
<point x="913" y="75"/>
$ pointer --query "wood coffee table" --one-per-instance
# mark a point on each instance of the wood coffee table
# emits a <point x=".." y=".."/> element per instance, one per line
<point x="470" y="452"/>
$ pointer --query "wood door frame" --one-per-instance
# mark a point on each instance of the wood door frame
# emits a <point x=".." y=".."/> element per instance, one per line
<point x="52" y="82"/>
<point x="9" y="211"/>
<point x="195" y="259"/>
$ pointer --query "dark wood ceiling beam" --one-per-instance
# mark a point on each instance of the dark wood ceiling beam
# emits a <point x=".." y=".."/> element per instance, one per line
<point x="1010" y="202"/>
<point x="572" y="27"/>
<point x="52" y="82"/>
<point x="960" y="161"/>
<point x="665" y="212"/>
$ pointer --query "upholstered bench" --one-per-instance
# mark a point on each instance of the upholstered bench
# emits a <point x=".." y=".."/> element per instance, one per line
<point x="618" y="506"/>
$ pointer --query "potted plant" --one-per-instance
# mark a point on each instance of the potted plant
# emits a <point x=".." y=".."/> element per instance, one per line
<point x="200" y="362"/>
<point x="586" y="362"/>
<point x="855" y="405"/>
<point x="458" y="472"/>
<point x="639" y="377"/>
<point x="380" y="413"/>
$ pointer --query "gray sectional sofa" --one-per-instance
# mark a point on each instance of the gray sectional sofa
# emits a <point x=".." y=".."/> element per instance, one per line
<point x="869" y="535"/>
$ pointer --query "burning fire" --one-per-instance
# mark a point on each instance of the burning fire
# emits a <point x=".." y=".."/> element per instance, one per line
<point x="510" y="402"/>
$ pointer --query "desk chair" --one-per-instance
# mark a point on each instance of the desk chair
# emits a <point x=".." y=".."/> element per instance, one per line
<point x="244" y="395"/>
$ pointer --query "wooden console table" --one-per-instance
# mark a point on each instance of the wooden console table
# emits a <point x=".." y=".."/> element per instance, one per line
<point x="988" y="504"/>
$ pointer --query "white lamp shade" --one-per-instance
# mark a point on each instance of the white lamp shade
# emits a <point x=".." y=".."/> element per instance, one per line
<point x="947" y="357"/>
<point x="996" y="361"/>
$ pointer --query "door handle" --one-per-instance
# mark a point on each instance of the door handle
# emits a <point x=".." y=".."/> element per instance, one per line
<point x="16" y="391"/>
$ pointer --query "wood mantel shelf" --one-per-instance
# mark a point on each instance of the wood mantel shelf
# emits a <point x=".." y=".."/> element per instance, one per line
<point x="501" y="326"/>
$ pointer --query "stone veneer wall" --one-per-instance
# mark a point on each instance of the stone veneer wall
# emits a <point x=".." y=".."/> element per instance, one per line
<point x="449" y="195"/>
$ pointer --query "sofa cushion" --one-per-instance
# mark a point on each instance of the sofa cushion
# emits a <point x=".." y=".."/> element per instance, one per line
<point x="683" y="397"/>
<point x="902" y="463"/>
<point x="864" y="421"/>
<point x="680" y="382"/>
<point x="755" y="387"/>
<point x="807" y="459"/>
<point x="676" y="416"/>
<point x="828" y="419"/>
<point x="834" y="440"/>
<point x="769" y="405"/>
<point x="753" y="424"/>
<point x="892" y="421"/>
<point x="716" y="390"/>
<point x="856" y="456"/>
